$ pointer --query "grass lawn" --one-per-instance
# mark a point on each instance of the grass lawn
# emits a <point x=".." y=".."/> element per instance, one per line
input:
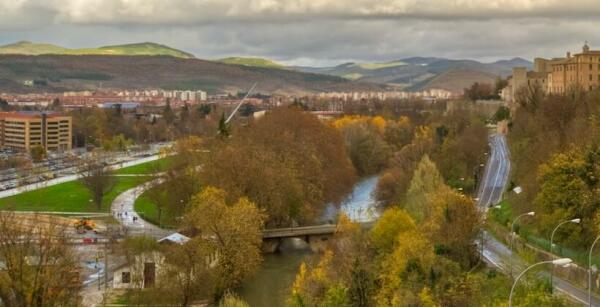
<point x="147" y="210"/>
<point x="145" y="168"/>
<point x="67" y="197"/>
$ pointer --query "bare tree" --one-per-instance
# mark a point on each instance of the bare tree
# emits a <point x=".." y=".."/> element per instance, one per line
<point x="37" y="266"/>
<point x="97" y="179"/>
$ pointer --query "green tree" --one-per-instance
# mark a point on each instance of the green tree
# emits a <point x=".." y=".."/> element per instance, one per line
<point x="568" y="189"/>
<point x="426" y="182"/>
<point x="503" y="113"/>
<point x="223" y="128"/>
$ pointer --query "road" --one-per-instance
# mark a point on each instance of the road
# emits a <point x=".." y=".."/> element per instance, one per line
<point x="490" y="193"/>
<point x="496" y="172"/>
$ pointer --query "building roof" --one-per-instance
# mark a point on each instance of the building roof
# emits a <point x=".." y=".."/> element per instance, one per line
<point x="174" y="238"/>
<point x="30" y="114"/>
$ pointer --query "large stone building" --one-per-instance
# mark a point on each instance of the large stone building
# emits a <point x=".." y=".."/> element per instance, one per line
<point x="24" y="130"/>
<point x="557" y="75"/>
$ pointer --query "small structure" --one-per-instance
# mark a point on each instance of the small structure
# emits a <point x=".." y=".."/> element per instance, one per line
<point x="143" y="271"/>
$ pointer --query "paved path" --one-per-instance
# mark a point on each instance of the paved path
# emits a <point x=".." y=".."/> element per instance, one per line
<point x="123" y="210"/>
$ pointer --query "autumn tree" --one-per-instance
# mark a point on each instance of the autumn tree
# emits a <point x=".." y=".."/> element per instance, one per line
<point x="38" y="153"/>
<point x="38" y="266"/>
<point x="231" y="231"/>
<point x="479" y="91"/>
<point x="288" y="162"/>
<point x="365" y="144"/>
<point x="425" y="184"/>
<point x="187" y="276"/>
<point x="569" y="189"/>
<point x="97" y="179"/>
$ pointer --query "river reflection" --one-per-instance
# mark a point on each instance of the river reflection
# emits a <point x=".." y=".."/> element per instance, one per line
<point x="271" y="284"/>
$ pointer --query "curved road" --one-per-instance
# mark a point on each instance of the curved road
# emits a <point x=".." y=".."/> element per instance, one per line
<point x="489" y="194"/>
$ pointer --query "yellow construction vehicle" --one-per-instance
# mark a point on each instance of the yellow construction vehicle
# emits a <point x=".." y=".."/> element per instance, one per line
<point x="84" y="224"/>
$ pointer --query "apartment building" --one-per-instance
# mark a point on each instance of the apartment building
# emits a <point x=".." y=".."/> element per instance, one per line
<point x="581" y="70"/>
<point x="24" y="130"/>
<point x="557" y="75"/>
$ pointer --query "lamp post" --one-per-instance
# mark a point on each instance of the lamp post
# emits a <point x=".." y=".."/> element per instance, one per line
<point x="590" y="272"/>
<point x="561" y="262"/>
<point x="576" y="221"/>
<point x="512" y="237"/>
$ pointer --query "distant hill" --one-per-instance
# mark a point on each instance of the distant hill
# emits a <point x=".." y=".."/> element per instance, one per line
<point x="82" y="72"/>
<point x="456" y="80"/>
<point x="29" y="48"/>
<point x="421" y="72"/>
<point x="253" y="62"/>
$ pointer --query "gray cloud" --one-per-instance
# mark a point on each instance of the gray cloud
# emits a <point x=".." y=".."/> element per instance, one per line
<point x="313" y="32"/>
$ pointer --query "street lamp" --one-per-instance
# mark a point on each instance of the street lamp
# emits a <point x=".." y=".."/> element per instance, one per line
<point x="512" y="237"/>
<point x="590" y="272"/>
<point x="575" y="221"/>
<point x="562" y="262"/>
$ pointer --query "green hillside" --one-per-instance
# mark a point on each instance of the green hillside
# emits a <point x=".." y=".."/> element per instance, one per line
<point x="373" y="66"/>
<point x="254" y="62"/>
<point x="29" y="48"/>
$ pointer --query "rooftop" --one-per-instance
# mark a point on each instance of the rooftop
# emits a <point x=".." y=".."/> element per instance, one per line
<point x="30" y="114"/>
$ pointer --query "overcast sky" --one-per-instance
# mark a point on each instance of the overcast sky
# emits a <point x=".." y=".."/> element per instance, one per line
<point x="313" y="32"/>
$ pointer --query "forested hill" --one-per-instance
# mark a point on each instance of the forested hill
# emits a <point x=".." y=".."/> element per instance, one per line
<point x="78" y="72"/>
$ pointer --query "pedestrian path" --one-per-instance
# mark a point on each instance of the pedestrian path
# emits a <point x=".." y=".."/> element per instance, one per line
<point x="123" y="210"/>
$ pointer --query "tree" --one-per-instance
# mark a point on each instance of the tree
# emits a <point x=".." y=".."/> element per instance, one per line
<point x="426" y="182"/>
<point x="365" y="146"/>
<point x="56" y="104"/>
<point x="168" y="113"/>
<point x="38" y="267"/>
<point x="569" y="189"/>
<point x="500" y="84"/>
<point x="233" y="233"/>
<point x="97" y="179"/>
<point x="503" y="113"/>
<point x="117" y="143"/>
<point x="38" y="153"/>
<point x="187" y="274"/>
<point x="230" y="300"/>
<point x="4" y="106"/>
<point x="223" y="128"/>
<point x="393" y="222"/>
<point x="479" y="91"/>
<point x="288" y="162"/>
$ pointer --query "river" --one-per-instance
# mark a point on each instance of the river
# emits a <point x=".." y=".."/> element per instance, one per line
<point x="270" y="286"/>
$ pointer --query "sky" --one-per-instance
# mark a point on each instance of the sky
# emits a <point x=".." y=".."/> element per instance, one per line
<point x="313" y="32"/>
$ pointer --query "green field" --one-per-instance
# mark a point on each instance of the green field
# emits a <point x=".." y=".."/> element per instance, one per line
<point x="74" y="197"/>
<point x="147" y="210"/>
<point x="67" y="197"/>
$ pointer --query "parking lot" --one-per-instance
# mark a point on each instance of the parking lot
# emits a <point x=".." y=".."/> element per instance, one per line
<point x="64" y="164"/>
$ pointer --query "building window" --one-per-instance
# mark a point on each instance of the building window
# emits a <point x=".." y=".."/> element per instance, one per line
<point x="591" y="67"/>
<point x="125" y="277"/>
<point x="591" y="78"/>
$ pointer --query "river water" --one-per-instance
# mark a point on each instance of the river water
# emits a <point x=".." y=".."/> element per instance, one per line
<point x="270" y="286"/>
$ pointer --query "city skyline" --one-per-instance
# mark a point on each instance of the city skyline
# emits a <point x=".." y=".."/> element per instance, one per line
<point x="291" y="32"/>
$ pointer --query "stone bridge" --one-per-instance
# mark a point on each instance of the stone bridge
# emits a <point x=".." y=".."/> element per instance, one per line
<point x="316" y="236"/>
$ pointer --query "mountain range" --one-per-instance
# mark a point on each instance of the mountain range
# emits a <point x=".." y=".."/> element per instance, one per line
<point x="147" y="48"/>
<point x="154" y="65"/>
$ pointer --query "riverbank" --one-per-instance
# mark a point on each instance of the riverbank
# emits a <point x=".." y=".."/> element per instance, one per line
<point x="271" y="284"/>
